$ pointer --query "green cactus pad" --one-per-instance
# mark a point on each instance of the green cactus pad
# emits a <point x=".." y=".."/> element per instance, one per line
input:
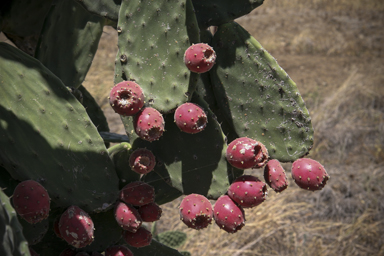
<point x="120" y="156"/>
<point x="34" y="233"/>
<point x="257" y="96"/>
<point x="69" y="40"/>
<point x="217" y="12"/>
<point x="12" y="241"/>
<point x="47" y="136"/>
<point x="7" y="183"/>
<point x="155" y="248"/>
<point x="172" y="238"/>
<point x="191" y="163"/>
<point x="105" y="8"/>
<point x="153" y="36"/>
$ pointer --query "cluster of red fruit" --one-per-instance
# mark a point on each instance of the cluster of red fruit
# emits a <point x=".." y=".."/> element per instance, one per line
<point x="248" y="191"/>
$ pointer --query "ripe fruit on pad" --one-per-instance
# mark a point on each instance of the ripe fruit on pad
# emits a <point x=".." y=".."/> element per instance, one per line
<point x="244" y="153"/>
<point x="309" y="174"/>
<point x="199" y="58"/>
<point x="126" y="98"/>
<point x="247" y="191"/>
<point x="274" y="175"/>
<point x="149" y="124"/>
<point x="190" y="118"/>
<point x="228" y="215"/>
<point x="118" y="250"/>
<point x="141" y="238"/>
<point x="150" y="212"/>
<point x="31" y="201"/>
<point x="127" y="217"/>
<point x="142" y="161"/>
<point x="137" y="193"/>
<point x="196" y="211"/>
<point x="76" y="227"/>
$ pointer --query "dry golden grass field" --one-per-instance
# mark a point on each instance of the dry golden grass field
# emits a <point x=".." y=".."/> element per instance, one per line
<point x="334" y="51"/>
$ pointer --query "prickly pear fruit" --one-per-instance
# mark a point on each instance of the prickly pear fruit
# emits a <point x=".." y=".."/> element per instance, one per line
<point x="127" y="217"/>
<point x="190" y="118"/>
<point x="118" y="250"/>
<point x="274" y="175"/>
<point x="31" y="201"/>
<point x="196" y="211"/>
<point x="309" y="174"/>
<point x="142" y="161"/>
<point x="149" y="124"/>
<point x="141" y="238"/>
<point x="247" y="191"/>
<point x="244" y="153"/>
<point x="199" y="58"/>
<point x="126" y="98"/>
<point x="68" y="252"/>
<point x="137" y="193"/>
<point x="76" y="227"/>
<point x="228" y="215"/>
<point x="150" y="212"/>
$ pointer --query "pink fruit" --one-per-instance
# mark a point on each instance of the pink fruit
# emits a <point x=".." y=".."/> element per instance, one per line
<point x="274" y="176"/>
<point x="126" y="98"/>
<point x="196" y="211"/>
<point x="142" y="161"/>
<point x="190" y="118"/>
<point x="137" y="193"/>
<point x="244" y="153"/>
<point x="68" y="252"/>
<point x="199" y="58"/>
<point x="149" y="124"/>
<point x="31" y="201"/>
<point x="247" y="191"/>
<point x="141" y="238"/>
<point x="118" y="250"/>
<point x="309" y="174"/>
<point x="150" y="212"/>
<point x="127" y="217"/>
<point x="228" y="215"/>
<point x="76" y="227"/>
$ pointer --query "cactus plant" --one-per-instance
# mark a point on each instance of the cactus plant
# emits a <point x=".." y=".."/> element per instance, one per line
<point x="53" y="132"/>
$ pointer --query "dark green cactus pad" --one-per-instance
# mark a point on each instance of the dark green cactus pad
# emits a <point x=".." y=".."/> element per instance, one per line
<point x="107" y="231"/>
<point x="191" y="163"/>
<point x="34" y="233"/>
<point x="120" y="157"/>
<point x="12" y="241"/>
<point x="69" y="40"/>
<point x="46" y="135"/>
<point x="257" y="96"/>
<point x="155" y="248"/>
<point x="105" y="8"/>
<point x="114" y="137"/>
<point x="7" y="183"/>
<point x="153" y="36"/>
<point x="172" y="238"/>
<point x="217" y="12"/>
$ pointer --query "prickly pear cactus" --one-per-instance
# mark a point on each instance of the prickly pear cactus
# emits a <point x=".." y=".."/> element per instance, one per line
<point x="53" y="132"/>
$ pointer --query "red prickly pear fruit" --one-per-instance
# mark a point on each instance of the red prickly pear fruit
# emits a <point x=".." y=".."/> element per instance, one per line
<point x="33" y="252"/>
<point x="68" y="252"/>
<point x="118" y="250"/>
<point x="196" y="211"/>
<point x="199" y="58"/>
<point x="274" y="176"/>
<point x="126" y="98"/>
<point x="150" y="212"/>
<point x="82" y="254"/>
<point x="247" y="191"/>
<point x="141" y="238"/>
<point x="127" y="217"/>
<point x="76" y="227"/>
<point x="228" y="215"/>
<point x="190" y="118"/>
<point x="244" y="153"/>
<point x="309" y="174"/>
<point x="31" y="201"/>
<point x="137" y="193"/>
<point x="149" y="124"/>
<point x="142" y="161"/>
